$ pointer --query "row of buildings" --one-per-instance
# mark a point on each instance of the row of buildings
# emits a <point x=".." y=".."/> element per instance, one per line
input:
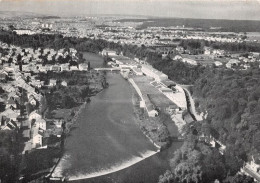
<point x="21" y="100"/>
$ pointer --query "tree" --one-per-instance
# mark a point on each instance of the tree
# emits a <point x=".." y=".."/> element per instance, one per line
<point x="242" y="179"/>
<point x="167" y="177"/>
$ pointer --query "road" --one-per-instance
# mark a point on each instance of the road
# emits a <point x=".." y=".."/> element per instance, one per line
<point x="191" y="105"/>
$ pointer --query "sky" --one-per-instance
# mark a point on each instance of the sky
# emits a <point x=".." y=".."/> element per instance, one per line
<point x="206" y="9"/>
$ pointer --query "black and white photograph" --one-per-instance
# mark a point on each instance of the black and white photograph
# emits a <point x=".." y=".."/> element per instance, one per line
<point x="130" y="91"/>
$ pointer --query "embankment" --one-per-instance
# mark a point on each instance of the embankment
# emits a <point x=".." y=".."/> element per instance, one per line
<point x="115" y="168"/>
<point x="152" y="128"/>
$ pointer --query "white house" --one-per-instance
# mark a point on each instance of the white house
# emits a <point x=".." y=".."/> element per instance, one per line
<point x="218" y="63"/>
<point x="32" y="100"/>
<point x="83" y="67"/>
<point x="64" y="67"/>
<point x="40" y="123"/>
<point x="108" y="53"/>
<point x="189" y="61"/>
<point x="177" y="57"/>
<point x="64" y="83"/>
<point x="34" y="115"/>
<point x="255" y="164"/>
<point x="58" y="123"/>
<point x="252" y="168"/>
<point x="74" y="68"/>
<point x="232" y="62"/>
<point x="52" y="82"/>
<point x="180" y="49"/>
<point x="38" y="134"/>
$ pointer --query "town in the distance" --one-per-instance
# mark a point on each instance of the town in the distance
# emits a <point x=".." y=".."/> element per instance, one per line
<point x="129" y="99"/>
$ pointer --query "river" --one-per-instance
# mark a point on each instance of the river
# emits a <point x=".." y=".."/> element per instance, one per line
<point x="107" y="145"/>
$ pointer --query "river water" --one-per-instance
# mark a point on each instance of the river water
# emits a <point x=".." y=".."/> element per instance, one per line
<point x="107" y="145"/>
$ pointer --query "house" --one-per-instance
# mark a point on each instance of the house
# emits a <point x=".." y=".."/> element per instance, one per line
<point x="218" y="63"/>
<point x="58" y="123"/>
<point x="64" y="83"/>
<point x="83" y="67"/>
<point x="40" y="123"/>
<point x="189" y="61"/>
<point x="177" y="57"/>
<point x="14" y="95"/>
<point x="9" y="88"/>
<point x="246" y="66"/>
<point x="255" y="163"/>
<point x="108" y="53"/>
<point x="232" y="62"/>
<point x="32" y="100"/>
<point x="252" y="168"/>
<point x="10" y="103"/>
<point x="180" y="49"/>
<point x="10" y="114"/>
<point x="55" y="68"/>
<point x="11" y="125"/>
<point x="142" y="104"/>
<point x="37" y="136"/>
<point x="74" y="68"/>
<point x="34" y="115"/>
<point x="64" y="67"/>
<point x="207" y="52"/>
<point x="36" y="83"/>
<point x="3" y="76"/>
<point x="150" y="110"/>
<point x="52" y="82"/>
<point x="218" y="52"/>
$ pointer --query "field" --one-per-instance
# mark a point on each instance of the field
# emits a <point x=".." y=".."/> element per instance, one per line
<point x="94" y="59"/>
<point x="204" y="59"/>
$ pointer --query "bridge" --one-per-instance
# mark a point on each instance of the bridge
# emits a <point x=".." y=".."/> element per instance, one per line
<point x="108" y="69"/>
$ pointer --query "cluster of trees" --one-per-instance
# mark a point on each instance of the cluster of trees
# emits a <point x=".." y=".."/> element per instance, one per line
<point x="232" y="101"/>
<point x="80" y="86"/>
<point x="38" y="162"/>
<point x="197" y="46"/>
<point x="8" y="155"/>
<point x="197" y="162"/>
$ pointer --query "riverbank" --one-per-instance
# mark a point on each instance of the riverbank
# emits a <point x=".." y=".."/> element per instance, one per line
<point x="152" y="128"/>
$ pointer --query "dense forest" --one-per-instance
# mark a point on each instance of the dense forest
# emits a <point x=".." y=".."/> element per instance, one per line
<point x="197" y="162"/>
<point x="232" y="101"/>
<point x="230" y="98"/>
<point x="8" y="155"/>
<point x="197" y="46"/>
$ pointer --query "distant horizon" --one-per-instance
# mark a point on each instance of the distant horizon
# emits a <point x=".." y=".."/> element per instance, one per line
<point x="127" y="16"/>
<point x="195" y="9"/>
